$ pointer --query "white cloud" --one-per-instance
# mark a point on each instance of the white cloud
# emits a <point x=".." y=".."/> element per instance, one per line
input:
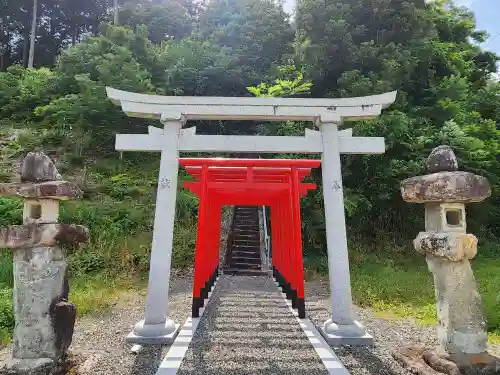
<point x="289" y="6"/>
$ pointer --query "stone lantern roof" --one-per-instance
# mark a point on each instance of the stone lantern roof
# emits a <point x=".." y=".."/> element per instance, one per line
<point x="444" y="183"/>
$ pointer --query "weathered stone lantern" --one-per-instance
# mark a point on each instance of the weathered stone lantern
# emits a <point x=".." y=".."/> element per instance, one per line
<point x="44" y="319"/>
<point x="448" y="249"/>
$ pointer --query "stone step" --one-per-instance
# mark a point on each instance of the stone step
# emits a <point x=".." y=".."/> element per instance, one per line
<point x="246" y="231"/>
<point x="246" y="247"/>
<point x="245" y="254"/>
<point x="253" y="260"/>
<point x="244" y="223"/>
<point x="243" y="237"/>
<point x="244" y="266"/>
<point x="253" y="228"/>
<point x="248" y="272"/>
<point x="246" y="242"/>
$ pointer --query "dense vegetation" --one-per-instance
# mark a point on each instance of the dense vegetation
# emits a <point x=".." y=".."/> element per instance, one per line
<point x="337" y="48"/>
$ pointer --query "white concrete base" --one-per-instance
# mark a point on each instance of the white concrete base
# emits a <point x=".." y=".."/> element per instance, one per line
<point x="330" y="360"/>
<point x="173" y="359"/>
<point x="349" y="334"/>
<point x="153" y="334"/>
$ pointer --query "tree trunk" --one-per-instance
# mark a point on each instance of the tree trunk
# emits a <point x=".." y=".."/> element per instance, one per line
<point x="74" y="35"/>
<point x="26" y="47"/>
<point x="5" y="57"/>
<point x="31" y="58"/>
<point x="115" y="6"/>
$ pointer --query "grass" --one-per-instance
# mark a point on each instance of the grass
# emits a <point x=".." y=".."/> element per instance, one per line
<point x="395" y="282"/>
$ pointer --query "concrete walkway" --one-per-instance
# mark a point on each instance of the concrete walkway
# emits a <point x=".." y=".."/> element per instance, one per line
<point x="247" y="328"/>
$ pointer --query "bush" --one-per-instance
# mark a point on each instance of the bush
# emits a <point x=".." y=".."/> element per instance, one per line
<point x="6" y="314"/>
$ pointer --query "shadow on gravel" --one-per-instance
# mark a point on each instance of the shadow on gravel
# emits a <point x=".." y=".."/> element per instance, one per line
<point x="148" y="360"/>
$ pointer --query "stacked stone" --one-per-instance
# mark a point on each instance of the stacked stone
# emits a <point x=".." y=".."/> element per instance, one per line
<point x="44" y="319"/>
<point x="448" y="249"/>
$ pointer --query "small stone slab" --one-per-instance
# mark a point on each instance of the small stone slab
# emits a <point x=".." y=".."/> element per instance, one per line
<point x="442" y="159"/>
<point x="38" y="167"/>
<point x="422" y="360"/>
<point x="63" y="317"/>
<point x="39" y="235"/>
<point x="460" y="187"/>
<point x="60" y="190"/>
<point x="44" y="366"/>
<point x="452" y="246"/>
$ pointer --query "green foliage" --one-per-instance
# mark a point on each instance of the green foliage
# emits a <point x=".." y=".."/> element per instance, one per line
<point x="168" y="20"/>
<point x="6" y="314"/>
<point x="255" y="32"/>
<point x="290" y="84"/>
<point x="11" y="211"/>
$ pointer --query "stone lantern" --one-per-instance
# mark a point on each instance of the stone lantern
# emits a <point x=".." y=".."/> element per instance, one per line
<point x="448" y="249"/>
<point x="44" y="319"/>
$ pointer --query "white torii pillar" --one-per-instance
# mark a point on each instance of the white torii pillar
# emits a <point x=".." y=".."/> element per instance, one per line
<point x="343" y="327"/>
<point x="157" y="327"/>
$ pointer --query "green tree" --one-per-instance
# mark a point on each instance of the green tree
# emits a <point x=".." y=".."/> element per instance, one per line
<point x="256" y="32"/>
<point x="165" y="20"/>
<point x="425" y="52"/>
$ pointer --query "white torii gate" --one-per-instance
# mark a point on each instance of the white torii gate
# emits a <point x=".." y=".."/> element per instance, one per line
<point x="174" y="111"/>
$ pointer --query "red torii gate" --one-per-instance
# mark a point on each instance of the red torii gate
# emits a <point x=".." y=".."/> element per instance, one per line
<point x="268" y="182"/>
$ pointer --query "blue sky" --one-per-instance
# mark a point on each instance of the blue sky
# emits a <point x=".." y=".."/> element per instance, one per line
<point x="487" y="17"/>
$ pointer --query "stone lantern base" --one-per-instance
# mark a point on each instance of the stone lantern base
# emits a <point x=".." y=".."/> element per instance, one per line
<point x="421" y="360"/>
<point x="39" y="367"/>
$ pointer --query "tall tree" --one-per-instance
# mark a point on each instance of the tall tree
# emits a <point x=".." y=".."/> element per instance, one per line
<point x="115" y="10"/>
<point x="165" y="20"/>
<point x="355" y="48"/>
<point x="256" y="32"/>
<point x="33" y="35"/>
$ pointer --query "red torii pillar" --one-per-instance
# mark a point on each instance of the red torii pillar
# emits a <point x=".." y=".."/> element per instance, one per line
<point x="276" y="183"/>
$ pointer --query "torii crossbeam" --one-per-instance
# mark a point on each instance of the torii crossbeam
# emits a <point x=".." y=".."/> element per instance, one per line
<point x="329" y="141"/>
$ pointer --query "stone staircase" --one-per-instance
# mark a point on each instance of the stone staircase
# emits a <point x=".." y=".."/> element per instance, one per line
<point x="244" y="256"/>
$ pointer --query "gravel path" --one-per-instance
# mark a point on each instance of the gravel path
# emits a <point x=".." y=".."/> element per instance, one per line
<point x="247" y="328"/>
<point x="100" y="337"/>
<point x="388" y="334"/>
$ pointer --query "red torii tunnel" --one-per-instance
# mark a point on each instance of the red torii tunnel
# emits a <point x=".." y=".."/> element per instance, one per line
<point x="276" y="183"/>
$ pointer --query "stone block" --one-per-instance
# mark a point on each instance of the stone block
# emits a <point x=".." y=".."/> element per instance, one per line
<point x="453" y="187"/>
<point x="441" y="159"/>
<point x="40" y="284"/>
<point x="37" y="167"/>
<point x="36" y="235"/>
<point x="63" y="317"/>
<point x="45" y="211"/>
<point x="445" y="217"/>
<point x="451" y="246"/>
<point x="461" y="323"/>
<point x="60" y="190"/>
